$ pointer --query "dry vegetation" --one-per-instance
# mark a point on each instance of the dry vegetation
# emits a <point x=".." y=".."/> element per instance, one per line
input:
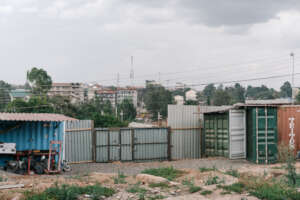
<point x="261" y="182"/>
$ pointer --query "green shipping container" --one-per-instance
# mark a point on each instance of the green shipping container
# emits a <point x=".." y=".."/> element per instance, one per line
<point x="216" y="127"/>
<point x="225" y="133"/>
<point x="262" y="134"/>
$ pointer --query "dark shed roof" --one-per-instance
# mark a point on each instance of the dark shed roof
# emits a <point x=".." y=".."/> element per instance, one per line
<point x="38" y="117"/>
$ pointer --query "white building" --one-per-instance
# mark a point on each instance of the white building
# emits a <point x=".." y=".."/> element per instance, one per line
<point x="118" y="95"/>
<point x="74" y="91"/>
<point x="179" y="100"/>
<point x="191" y="95"/>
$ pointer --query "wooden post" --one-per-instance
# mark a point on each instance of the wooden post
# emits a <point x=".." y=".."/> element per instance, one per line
<point x="94" y="139"/>
<point x="132" y="144"/>
<point x="169" y="144"/>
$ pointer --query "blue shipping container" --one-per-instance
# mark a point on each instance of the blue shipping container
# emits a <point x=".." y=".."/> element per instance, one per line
<point x="30" y="135"/>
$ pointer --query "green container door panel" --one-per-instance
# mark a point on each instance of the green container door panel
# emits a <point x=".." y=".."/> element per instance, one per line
<point x="263" y="135"/>
<point x="210" y="136"/>
<point x="216" y="135"/>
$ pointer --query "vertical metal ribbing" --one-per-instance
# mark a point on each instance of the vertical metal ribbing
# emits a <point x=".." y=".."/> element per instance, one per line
<point x="266" y="135"/>
<point x="256" y="135"/>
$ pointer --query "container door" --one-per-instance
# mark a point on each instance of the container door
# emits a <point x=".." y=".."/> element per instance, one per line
<point x="266" y="135"/>
<point x="210" y="135"/>
<point x="237" y="126"/>
<point x="222" y="135"/>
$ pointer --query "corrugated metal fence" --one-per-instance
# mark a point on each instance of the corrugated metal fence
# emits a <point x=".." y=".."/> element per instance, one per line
<point x="78" y="141"/>
<point x="132" y="144"/>
<point x="186" y="131"/>
<point x="186" y="122"/>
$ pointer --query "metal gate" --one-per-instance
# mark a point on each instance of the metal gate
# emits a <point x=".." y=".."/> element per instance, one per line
<point x="132" y="144"/>
<point x="78" y="141"/>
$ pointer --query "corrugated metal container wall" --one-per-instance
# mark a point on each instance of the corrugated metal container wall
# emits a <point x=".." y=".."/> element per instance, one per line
<point x="185" y="123"/>
<point x="32" y="135"/>
<point x="78" y="141"/>
<point x="289" y="126"/>
<point x="262" y="134"/>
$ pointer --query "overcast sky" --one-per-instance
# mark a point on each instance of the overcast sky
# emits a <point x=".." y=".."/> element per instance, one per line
<point x="193" y="41"/>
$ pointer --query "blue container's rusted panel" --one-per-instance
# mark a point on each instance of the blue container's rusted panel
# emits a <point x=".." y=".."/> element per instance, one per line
<point x="30" y="135"/>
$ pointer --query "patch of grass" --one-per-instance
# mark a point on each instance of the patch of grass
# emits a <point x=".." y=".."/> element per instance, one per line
<point x="274" y="192"/>
<point x="136" y="189"/>
<point x="212" y="180"/>
<point x="236" y="187"/>
<point x="120" y="179"/>
<point x="192" y="187"/>
<point x="2" y="179"/>
<point x="206" y="192"/>
<point x="277" y="167"/>
<point x="169" y="173"/>
<point x="160" y="185"/>
<point x="205" y="169"/>
<point x="225" y="192"/>
<point x="233" y="172"/>
<point x="68" y="192"/>
<point x="156" y="197"/>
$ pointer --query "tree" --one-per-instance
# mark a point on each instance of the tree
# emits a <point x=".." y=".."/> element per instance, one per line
<point x="4" y="94"/>
<point x="221" y="97"/>
<point x="191" y="102"/>
<point x="157" y="99"/>
<point x="40" y="80"/>
<point x="208" y="92"/>
<point x="128" y="110"/>
<point x="262" y="92"/>
<point x="286" y="90"/>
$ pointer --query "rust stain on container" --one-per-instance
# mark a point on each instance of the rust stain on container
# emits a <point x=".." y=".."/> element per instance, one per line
<point x="289" y="126"/>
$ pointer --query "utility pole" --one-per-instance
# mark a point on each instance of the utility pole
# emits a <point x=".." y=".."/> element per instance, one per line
<point x="293" y="73"/>
<point x="132" y="72"/>
<point x="116" y="95"/>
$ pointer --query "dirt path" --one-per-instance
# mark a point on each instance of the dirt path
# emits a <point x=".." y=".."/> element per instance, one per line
<point x="131" y="168"/>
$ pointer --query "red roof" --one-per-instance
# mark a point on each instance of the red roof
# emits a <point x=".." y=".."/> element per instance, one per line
<point x="34" y="117"/>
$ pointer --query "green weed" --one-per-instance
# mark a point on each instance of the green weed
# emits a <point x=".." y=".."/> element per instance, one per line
<point x="233" y="172"/>
<point x="160" y="185"/>
<point x="137" y="189"/>
<point x="169" y="173"/>
<point x="206" y="192"/>
<point x="212" y="180"/>
<point x="192" y="187"/>
<point x="205" y="169"/>
<point x="120" y="179"/>
<point x="236" y="187"/>
<point x="156" y="197"/>
<point x="70" y="192"/>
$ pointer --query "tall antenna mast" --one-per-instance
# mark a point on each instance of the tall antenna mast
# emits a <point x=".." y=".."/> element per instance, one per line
<point x="132" y="72"/>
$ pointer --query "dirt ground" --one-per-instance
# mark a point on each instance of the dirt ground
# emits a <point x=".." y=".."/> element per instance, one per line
<point x="131" y="168"/>
<point x="106" y="175"/>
